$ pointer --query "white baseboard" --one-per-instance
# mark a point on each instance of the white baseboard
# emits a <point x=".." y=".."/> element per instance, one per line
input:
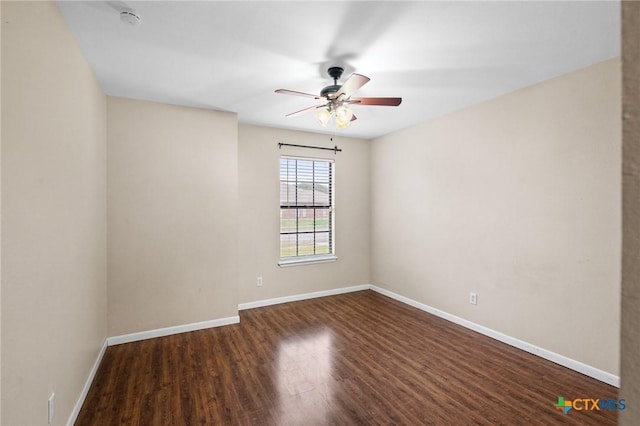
<point x="160" y="332"/>
<point x="578" y="366"/>
<point x="572" y="364"/>
<point x="304" y="296"/>
<point x="87" y="385"/>
<point x="126" y="338"/>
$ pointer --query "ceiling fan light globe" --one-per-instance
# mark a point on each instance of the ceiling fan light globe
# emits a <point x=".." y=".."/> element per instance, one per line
<point x="344" y="114"/>
<point x="323" y="116"/>
<point x="341" y="124"/>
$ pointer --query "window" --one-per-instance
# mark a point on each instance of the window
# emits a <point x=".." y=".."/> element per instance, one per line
<point x="306" y="210"/>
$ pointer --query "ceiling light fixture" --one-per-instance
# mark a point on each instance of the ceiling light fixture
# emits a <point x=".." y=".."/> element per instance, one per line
<point x="337" y="99"/>
<point x="342" y="116"/>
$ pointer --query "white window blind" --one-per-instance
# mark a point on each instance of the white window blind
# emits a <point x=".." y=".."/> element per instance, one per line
<point x="306" y="207"/>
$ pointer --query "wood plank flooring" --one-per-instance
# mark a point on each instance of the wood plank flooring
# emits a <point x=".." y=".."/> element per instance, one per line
<point x="357" y="358"/>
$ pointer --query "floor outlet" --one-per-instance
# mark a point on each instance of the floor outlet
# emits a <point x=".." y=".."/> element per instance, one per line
<point x="259" y="281"/>
<point x="52" y="407"/>
<point x="473" y="298"/>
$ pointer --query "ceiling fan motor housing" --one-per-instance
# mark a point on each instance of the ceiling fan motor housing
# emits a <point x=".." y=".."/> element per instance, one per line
<point x="329" y="91"/>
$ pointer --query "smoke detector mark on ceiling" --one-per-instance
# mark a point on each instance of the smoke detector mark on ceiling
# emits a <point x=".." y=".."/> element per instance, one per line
<point x="129" y="17"/>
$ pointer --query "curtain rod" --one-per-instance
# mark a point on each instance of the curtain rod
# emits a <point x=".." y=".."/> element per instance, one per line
<point x="335" y="149"/>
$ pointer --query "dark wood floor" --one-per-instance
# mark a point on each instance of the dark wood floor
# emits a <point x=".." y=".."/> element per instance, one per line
<point x="358" y="358"/>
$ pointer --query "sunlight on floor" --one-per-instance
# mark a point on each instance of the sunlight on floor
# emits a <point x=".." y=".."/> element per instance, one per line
<point x="304" y="378"/>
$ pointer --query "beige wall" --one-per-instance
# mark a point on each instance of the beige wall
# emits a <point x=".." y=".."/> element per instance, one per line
<point x="522" y="191"/>
<point x="0" y="218"/>
<point x="172" y="215"/>
<point x="53" y="215"/>
<point x="517" y="199"/>
<point x="259" y="214"/>
<point x="630" y="328"/>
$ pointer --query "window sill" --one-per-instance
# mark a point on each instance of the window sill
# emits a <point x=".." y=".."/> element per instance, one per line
<point x="306" y="260"/>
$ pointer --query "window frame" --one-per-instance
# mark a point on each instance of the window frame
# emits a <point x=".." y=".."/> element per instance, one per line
<point x="308" y="258"/>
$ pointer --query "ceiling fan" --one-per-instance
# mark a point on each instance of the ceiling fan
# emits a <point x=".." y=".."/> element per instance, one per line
<point x="337" y="99"/>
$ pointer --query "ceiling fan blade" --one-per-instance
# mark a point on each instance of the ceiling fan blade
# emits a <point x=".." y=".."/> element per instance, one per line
<point x="352" y="84"/>
<point x="293" y="92"/>
<point x="375" y="101"/>
<point x="302" y="111"/>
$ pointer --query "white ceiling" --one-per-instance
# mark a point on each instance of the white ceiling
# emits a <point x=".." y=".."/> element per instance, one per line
<point x="437" y="56"/>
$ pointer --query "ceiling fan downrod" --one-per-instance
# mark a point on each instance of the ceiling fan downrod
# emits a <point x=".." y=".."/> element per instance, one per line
<point x="329" y="91"/>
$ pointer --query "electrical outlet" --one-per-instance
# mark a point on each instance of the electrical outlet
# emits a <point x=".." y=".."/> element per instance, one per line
<point x="52" y="407"/>
<point x="473" y="298"/>
<point x="259" y="281"/>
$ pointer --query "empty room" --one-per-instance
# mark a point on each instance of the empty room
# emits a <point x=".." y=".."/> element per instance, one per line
<point x="310" y="213"/>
